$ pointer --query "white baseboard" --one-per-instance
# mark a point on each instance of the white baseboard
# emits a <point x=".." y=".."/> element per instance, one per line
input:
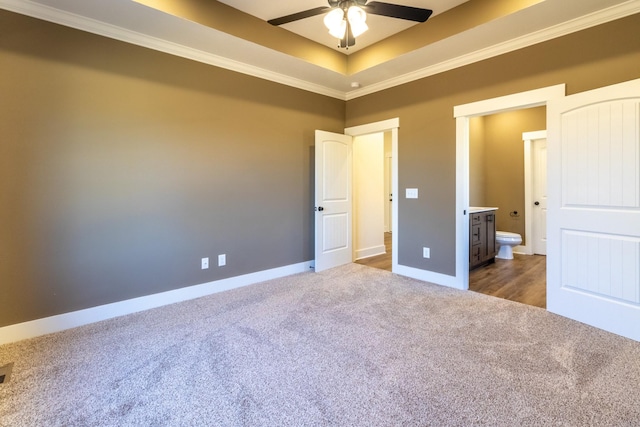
<point x="523" y="250"/>
<point x="428" y="276"/>
<point x="47" y="325"/>
<point x="372" y="251"/>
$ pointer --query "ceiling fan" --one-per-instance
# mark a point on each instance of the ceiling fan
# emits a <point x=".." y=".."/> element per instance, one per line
<point x="346" y="19"/>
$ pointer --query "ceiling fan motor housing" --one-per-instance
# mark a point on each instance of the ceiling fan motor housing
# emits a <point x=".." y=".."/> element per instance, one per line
<point x="345" y="4"/>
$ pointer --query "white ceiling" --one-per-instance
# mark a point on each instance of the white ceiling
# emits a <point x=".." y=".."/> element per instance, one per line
<point x="134" y="23"/>
<point x="313" y="28"/>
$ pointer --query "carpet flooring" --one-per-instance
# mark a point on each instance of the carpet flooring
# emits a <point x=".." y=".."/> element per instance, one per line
<point x="351" y="346"/>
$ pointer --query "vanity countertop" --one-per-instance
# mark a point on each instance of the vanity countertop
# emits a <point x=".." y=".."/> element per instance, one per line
<point x="476" y="209"/>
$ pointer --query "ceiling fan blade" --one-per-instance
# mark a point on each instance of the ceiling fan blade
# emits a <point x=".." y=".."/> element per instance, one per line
<point x="300" y="15"/>
<point x="398" y="11"/>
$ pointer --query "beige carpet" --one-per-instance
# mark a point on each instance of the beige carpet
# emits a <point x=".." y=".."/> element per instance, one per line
<point x="352" y="346"/>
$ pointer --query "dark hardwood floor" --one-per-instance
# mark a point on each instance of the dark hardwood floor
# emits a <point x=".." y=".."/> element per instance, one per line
<point x="522" y="279"/>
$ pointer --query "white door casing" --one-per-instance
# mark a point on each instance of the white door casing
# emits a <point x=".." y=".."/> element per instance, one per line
<point x="593" y="263"/>
<point x="532" y="167"/>
<point x="388" y="194"/>
<point x="539" y="190"/>
<point x="462" y="114"/>
<point x="333" y="200"/>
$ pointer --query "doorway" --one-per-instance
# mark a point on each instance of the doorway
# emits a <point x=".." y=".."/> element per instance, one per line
<point x="372" y="170"/>
<point x="333" y="232"/>
<point x="500" y="177"/>
<point x="389" y="129"/>
<point x="463" y="115"/>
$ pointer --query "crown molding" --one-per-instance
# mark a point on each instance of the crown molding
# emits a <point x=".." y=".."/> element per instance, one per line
<point x="68" y="19"/>
<point x="90" y="25"/>
<point x="572" y="26"/>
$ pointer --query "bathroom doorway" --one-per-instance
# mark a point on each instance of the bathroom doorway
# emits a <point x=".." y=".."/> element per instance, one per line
<point x="499" y="166"/>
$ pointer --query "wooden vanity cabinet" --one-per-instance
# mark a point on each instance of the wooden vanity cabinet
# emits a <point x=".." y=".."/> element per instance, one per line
<point x="482" y="238"/>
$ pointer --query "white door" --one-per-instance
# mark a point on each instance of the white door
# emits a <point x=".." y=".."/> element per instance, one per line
<point x="593" y="264"/>
<point x="539" y="190"/>
<point x="333" y="202"/>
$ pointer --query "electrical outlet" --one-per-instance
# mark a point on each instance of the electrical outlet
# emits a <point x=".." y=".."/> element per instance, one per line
<point x="222" y="260"/>
<point x="426" y="252"/>
<point x="204" y="263"/>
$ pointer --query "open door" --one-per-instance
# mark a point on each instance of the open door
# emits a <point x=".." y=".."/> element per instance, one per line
<point x="333" y="204"/>
<point x="593" y="270"/>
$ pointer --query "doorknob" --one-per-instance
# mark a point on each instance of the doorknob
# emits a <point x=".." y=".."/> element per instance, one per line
<point x="536" y="203"/>
<point x="320" y="208"/>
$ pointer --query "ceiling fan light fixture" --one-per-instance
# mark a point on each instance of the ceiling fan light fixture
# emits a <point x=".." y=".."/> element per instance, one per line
<point x="357" y="19"/>
<point x="335" y="22"/>
<point x="346" y="19"/>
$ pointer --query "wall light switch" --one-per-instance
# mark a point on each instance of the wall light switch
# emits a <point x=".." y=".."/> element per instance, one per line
<point x="426" y="252"/>
<point x="412" y="193"/>
<point x="204" y="263"/>
<point x="222" y="260"/>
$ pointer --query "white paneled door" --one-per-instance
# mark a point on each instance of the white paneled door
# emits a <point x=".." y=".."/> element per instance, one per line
<point x="593" y="233"/>
<point x="333" y="204"/>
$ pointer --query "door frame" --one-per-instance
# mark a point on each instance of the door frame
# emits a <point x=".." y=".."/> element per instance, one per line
<point x="388" y="203"/>
<point x="462" y="114"/>
<point x="390" y="125"/>
<point x="528" y="138"/>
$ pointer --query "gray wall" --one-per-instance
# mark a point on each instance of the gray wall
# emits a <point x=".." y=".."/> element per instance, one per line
<point x="121" y="167"/>
<point x="592" y="58"/>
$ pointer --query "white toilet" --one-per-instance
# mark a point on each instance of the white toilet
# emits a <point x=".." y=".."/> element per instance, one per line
<point x="507" y="241"/>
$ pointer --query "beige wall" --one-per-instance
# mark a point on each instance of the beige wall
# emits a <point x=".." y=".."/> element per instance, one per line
<point x="476" y="162"/>
<point x="500" y="152"/>
<point x="121" y="167"/>
<point x="592" y="58"/>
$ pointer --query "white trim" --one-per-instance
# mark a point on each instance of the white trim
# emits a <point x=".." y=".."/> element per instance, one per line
<point x="462" y="202"/>
<point x="559" y="30"/>
<point x="394" y="203"/>
<point x="527" y="248"/>
<point x="463" y="113"/>
<point x="90" y="25"/>
<point x="532" y="136"/>
<point x="516" y="101"/>
<point x="74" y="319"/>
<point x="428" y="276"/>
<point x="61" y="17"/>
<point x="372" y="251"/>
<point x="390" y="125"/>
<point x="382" y="126"/>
